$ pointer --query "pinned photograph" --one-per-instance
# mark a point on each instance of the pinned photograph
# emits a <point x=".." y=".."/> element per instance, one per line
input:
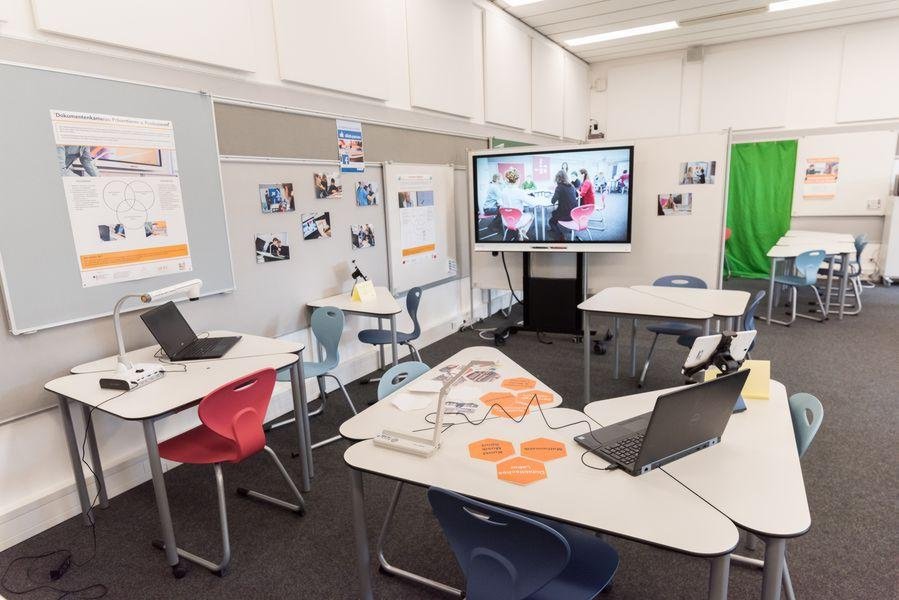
<point x="366" y="193"/>
<point x="412" y="199"/>
<point x="675" y="205"/>
<point x="327" y="185"/>
<point x="363" y="236"/>
<point x="272" y="247"/>
<point x="276" y="197"/>
<point x="111" y="233"/>
<point x="316" y="225"/>
<point x="156" y="229"/>
<point x="697" y="173"/>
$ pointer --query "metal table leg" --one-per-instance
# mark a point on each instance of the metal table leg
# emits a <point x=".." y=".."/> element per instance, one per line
<point x="162" y="500"/>
<point x="617" y="348"/>
<point x="380" y="346"/>
<point x="772" y="575"/>
<point x="718" y="575"/>
<point x="396" y="358"/>
<point x="633" y="347"/>
<point x="829" y="286"/>
<point x="706" y="326"/>
<point x="363" y="560"/>
<point x="301" y="415"/>
<point x="75" y="457"/>
<point x="95" y="456"/>
<point x="844" y="281"/>
<point x="586" y="321"/>
<point x="771" y="289"/>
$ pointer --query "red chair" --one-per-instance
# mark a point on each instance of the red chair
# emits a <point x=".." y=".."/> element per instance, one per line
<point x="580" y="220"/>
<point x="231" y="431"/>
<point x="515" y="220"/>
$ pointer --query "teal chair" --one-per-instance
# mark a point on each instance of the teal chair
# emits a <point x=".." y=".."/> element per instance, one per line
<point x="806" y="275"/>
<point x="327" y="326"/>
<point x="807" y="414"/>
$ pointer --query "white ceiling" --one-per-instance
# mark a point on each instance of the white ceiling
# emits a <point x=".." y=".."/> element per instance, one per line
<point x="565" y="19"/>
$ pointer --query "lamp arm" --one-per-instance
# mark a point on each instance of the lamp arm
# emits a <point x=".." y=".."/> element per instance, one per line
<point x="124" y="363"/>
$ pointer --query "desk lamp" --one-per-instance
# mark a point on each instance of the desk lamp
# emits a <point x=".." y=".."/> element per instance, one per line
<point x="422" y="446"/>
<point x="129" y="376"/>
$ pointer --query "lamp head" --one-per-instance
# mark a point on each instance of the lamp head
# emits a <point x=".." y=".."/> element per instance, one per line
<point x="190" y="288"/>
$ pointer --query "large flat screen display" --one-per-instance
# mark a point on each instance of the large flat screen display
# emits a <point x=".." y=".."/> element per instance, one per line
<point x="575" y="199"/>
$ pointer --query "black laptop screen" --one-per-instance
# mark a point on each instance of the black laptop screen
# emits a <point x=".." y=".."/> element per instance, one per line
<point x="169" y="327"/>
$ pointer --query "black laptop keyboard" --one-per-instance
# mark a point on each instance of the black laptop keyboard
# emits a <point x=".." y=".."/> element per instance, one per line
<point x="203" y="345"/>
<point x="625" y="451"/>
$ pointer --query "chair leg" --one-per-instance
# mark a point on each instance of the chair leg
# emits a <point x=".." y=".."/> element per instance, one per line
<point x="346" y="395"/>
<point x="221" y="568"/>
<point x="414" y="351"/>
<point x="793" y="302"/>
<point x="386" y="567"/>
<point x="788" y="583"/>
<point x="648" y="358"/>
<point x="750" y="539"/>
<point x="819" y="302"/>
<point x="299" y="507"/>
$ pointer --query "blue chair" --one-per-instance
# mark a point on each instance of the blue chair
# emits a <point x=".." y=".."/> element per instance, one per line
<point x="327" y="326"/>
<point x="505" y="555"/>
<point x="672" y="328"/>
<point x="806" y="275"/>
<point x="747" y="325"/>
<point x="855" y="277"/>
<point x="384" y="337"/>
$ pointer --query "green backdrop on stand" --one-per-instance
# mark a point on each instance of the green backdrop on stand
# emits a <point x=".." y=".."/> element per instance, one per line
<point x="759" y="203"/>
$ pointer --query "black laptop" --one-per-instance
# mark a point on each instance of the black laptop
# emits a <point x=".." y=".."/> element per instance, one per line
<point x="178" y="340"/>
<point x="682" y="422"/>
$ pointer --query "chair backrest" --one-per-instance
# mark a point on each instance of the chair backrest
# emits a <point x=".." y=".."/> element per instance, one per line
<point x="396" y="377"/>
<point x="581" y="215"/>
<point x="510" y="216"/>
<point x="749" y="313"/>
<point x="503" y="555"/>
<point x="807" y="413"/>
<point x="236" y="410"/>
<point x="686" y="281"/>
<point x="327" y="326"/>
<point x="413" y="299"/>
<point x="807" y="265"/>
<point x="727" y="233"/>
<point x="861" y="241"/>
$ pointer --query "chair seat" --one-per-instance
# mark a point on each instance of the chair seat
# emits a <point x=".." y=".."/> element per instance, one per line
<point x="794" y="280"/>
<point x="672" y="328"/>
<point x="198" y="446"/>
<point x="383" y="336"/>
<point x="592" y="565"/>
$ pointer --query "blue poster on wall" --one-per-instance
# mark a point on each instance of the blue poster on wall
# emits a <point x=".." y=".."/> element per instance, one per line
<point x="349" y="147"/>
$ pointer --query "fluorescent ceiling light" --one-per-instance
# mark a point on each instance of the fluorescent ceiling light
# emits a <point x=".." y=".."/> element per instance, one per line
<point x="622" y="33"/>
<point x="791" y="4"/>
<point x="521" y="2"/>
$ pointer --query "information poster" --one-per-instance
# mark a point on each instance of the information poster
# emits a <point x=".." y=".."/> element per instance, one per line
<point x="821" y="174"/>
<point x="120" y="176"/>
<point x="418" y="216"/>
<point x="349" y="147"/>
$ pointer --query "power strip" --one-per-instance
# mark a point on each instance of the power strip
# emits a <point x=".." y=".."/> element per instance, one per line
<point x="134" y="378"/>
<point x="403" y="442"/>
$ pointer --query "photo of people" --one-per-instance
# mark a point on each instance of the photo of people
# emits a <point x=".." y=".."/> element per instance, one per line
<point x="556" y="196"/>
<point x="111" y="233"/>
<point x="822" y="170"/>
<point x="276" y="197"/>
<point x="156" y="229"/>
<point x="316" y="225"/>
<point x="366" y="193"/>
<point x="697" y="173"/>
<point x="327" y="185"/>
<point x="108" y="161"/>
<point x="675" y="205"/>
<point x="363" y="236"/>
<point x="272" y="247"/>
<point x="419" y="198"/>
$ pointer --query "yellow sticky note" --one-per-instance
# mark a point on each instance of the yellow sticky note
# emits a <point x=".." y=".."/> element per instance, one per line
<point x="364" y="291"/>
<point x="758" y="384"/>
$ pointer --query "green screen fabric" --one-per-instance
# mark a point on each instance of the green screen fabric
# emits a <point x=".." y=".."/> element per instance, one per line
<point x="759" y="203"/>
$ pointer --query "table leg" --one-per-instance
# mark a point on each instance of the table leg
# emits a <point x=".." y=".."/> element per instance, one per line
<point x="829" y="287"/>
<point x="617" y="348"/>
<point x="95" y="456"/>
<point x="844" y="281"/>
<point x="633" y="347"/>
<point x="772" y="574"/>
<point x="363" y="560"/>
<point x="718" y="575"/>
<point x="380" y="346"/>
<point x="706" y="326"/>
<point x="301" y="416"/>
<point x="771" y="289"/>
<point x="162" y="500"/>
<point x="75" y="457"/>
<point x="586" y="322"/>
<point x="396" y="358"/>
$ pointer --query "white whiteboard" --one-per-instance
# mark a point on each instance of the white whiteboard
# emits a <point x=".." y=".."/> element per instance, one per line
<point x="420" y="237"/>
<point x="865" y="167"/>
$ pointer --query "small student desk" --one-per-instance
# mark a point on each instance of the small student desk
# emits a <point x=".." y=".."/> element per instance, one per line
<point x="384" y="306"/>
<point x="753" y="476"/>
<point x="821" y="235"/>
<point x="177" y="390"/>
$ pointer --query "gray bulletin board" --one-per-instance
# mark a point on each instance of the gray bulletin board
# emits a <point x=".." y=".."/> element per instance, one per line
<point x="41" y="279"/>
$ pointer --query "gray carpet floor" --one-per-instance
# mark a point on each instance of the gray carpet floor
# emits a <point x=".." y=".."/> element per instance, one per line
<point x="850" y="476"/>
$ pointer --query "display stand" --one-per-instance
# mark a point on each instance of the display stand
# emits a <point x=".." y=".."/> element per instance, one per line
<point x="550" y="303"/>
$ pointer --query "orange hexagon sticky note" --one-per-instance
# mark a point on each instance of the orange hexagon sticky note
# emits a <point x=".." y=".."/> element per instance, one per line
<point x="543" y="449"/>
<point x="521" y="471"/>
<point x="490" y="449"/>
<point x="519" y="383"/>
<point x="543" y="397"/>
<point x="502" y="398"/>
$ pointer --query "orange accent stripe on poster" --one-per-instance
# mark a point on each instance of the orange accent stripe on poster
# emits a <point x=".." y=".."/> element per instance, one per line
<point x="818" y="196"/>
<point x="419" y="249"/>
<point x="125" y="257"/>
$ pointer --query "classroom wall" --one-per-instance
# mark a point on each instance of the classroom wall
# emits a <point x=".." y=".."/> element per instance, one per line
<point x="823" y="81"/>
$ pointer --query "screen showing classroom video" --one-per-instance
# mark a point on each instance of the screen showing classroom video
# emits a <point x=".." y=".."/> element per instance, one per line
<point x="572" y="196"/>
